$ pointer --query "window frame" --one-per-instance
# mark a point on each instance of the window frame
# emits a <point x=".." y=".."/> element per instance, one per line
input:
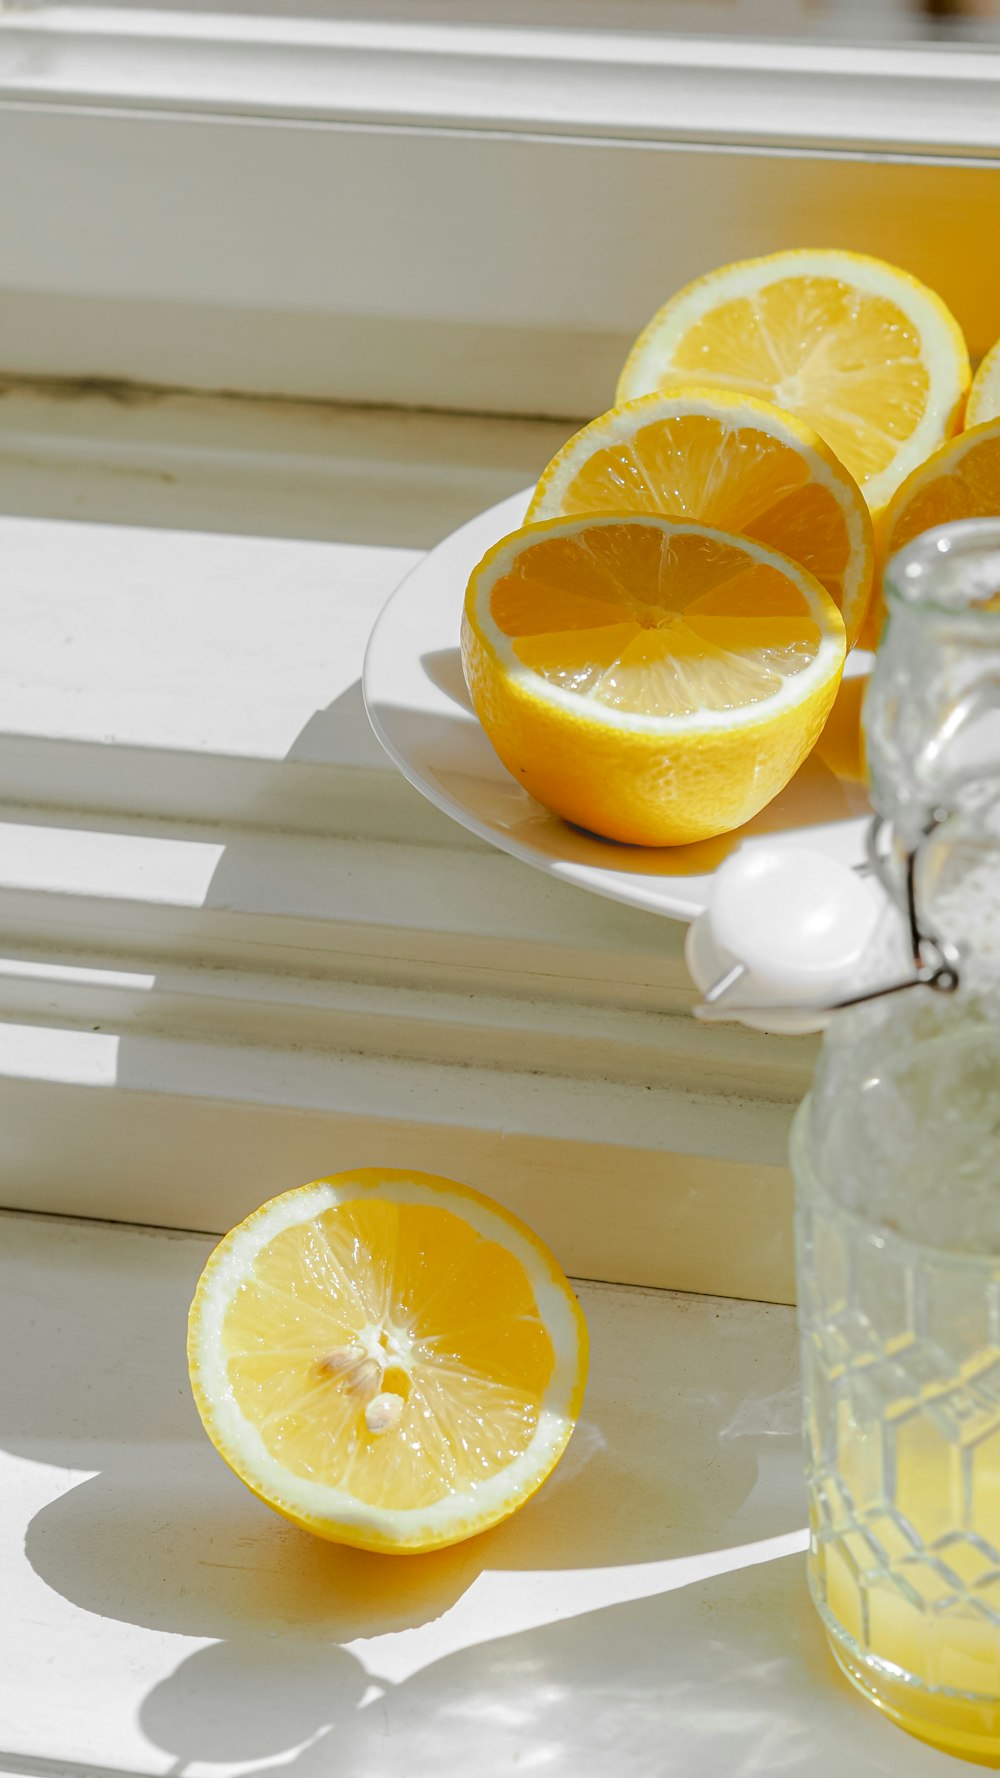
<point x="332" y="209"/>
<point x="925" y="100"/>
<point x="182" y="235"/>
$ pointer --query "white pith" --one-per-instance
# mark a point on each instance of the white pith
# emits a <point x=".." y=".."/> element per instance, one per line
<point x="945" y="462"/>
<point x="584" y="708"/>
<point x="653" y="351"/>
<point x="241" y="1442"/>
<point x="984" y="396"/>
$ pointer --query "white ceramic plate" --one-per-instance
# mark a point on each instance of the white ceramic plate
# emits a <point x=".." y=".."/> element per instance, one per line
<point x="419" y="708"/>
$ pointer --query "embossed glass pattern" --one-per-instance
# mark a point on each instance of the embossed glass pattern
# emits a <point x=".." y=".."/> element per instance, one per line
<point x="896" y="1155"/>
<point x="901" y="1368"/>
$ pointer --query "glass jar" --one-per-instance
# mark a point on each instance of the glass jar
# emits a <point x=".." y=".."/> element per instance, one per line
<point x="896" y="1155"/>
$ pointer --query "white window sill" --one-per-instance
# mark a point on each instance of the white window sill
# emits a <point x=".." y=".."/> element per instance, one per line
<point x="236" y="950"/>
<point x="650" y="86"/>
<point x="468" y="218"/>
<point x="647" y="1612"/>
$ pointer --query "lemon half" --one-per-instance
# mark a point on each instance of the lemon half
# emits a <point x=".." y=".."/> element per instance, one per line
<point x="865" y="353"/>
<point x="388" y="1359"/>
<point x="652" y="681"/>
<point x="733" y="462"/>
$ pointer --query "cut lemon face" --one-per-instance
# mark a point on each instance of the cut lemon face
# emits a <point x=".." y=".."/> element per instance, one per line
<point x="652" y="681"/>
<point x="960" y="481"/>
<point x="738" y="464"/>
<point x="984" y="396"/>
<point x="864" y="353"/>
<point x="388" y="1359"/>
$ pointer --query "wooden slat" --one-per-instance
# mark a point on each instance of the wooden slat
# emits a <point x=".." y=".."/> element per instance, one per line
<point x="199" y="655"/>
<point x="235" y="950"/>
<point x="635" y="1183"/>
<point x="646" y="1612"/>
<point x="467" y="268"/>
<point x="598" y="1039"/>
<point x="291" y="902"/>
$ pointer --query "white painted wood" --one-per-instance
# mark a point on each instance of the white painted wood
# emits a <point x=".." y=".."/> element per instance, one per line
<point x="275" y="1007"/>
<point x="235" y="950"/>
<point x="476" y="218"/>
<point x="324" y="310"/>
<point x="850" y="21"/>
<point x="131" y="676"/>
<point x="646" y="1612"/>
<point x="565" y="1035"/>
<point x="306" y="470"/>
<point x="298" y="903"/>
<point x="558" y="1107"/>
<point x="656" y="85"/>
<point x="638" y="1183"/>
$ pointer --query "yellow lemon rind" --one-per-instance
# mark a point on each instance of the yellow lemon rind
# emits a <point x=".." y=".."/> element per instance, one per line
<point x="949" y="367"/>
<point x="984" y="396"/>
<point x="333" y="1513"/>
<point x="941" y="462"/>
<point x="639" y="779"/>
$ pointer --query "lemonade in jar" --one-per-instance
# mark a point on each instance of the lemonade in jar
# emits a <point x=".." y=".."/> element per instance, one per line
<point x="896" y="1155"/>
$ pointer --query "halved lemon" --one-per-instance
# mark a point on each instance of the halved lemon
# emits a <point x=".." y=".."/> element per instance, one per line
<point x="862" y="351"/>
<point x="736" y="463"/>
<point x="652" y="681"/>
<point x="388" y="1359"/>
<point x="984" y="396"/>
<point x="960" y="481"/>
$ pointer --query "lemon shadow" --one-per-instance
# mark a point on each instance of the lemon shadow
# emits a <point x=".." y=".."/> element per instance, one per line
<point x="728" y="1674"/>
<point x="166" y="1537"/>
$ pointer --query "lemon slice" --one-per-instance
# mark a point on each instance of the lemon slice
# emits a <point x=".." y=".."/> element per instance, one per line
<point x="738" y="464"/>
<point x="984" y="396"/>
<point x="652" y="681"/>
<point x="863" y="352"/>
<point x="388" y="1359"/>
<point x="959" y="481"/>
